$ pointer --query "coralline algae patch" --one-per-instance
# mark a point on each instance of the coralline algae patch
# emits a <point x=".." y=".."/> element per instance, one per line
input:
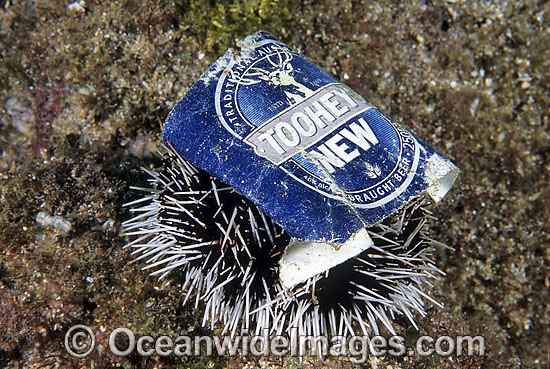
<point x="57" y="222"/>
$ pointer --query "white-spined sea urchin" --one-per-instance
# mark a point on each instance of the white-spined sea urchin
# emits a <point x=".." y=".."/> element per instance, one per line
<point x="302" y="211"/>
<point x="228" y="251"/>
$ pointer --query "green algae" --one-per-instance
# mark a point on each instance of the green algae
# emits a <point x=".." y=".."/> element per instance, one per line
<point x="220" y="24"/>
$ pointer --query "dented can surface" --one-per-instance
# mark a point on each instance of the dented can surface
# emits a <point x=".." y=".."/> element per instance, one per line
<point x="315" y="156"/>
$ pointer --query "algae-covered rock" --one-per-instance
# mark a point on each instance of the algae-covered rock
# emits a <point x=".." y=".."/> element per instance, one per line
<point x="83" y="95"/>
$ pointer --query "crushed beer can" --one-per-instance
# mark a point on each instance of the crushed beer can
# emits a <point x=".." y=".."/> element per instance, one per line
<point x="314" y="155"/>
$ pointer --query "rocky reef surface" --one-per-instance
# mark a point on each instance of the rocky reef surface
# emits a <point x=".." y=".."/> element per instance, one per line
<point x="85" y="87"/>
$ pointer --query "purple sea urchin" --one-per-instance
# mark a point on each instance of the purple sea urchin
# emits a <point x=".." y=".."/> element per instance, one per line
<point x="228" y="251"/>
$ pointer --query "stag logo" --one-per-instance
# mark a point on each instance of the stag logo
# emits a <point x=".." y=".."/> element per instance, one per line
<point x="279" y="75"/>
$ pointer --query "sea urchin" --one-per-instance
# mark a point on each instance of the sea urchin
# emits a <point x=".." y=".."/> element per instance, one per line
<point x="289" y="203"/>
<point x="228" y="251"/>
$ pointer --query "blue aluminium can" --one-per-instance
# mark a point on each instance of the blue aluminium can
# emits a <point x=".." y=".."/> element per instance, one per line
<point x="315" y="156"/>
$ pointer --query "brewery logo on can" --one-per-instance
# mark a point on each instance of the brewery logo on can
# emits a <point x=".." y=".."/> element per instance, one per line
<point x="317" y="130"/>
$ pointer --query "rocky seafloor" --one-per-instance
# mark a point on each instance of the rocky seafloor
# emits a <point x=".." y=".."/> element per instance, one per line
<point x="86" y="86"/>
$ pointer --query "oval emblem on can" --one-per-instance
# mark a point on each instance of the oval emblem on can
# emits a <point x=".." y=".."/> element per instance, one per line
<point x="316" y="129"/>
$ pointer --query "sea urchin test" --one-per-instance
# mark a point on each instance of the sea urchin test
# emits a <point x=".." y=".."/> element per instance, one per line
<point x="287" y="201"/>
<point x="316" y="157"/>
